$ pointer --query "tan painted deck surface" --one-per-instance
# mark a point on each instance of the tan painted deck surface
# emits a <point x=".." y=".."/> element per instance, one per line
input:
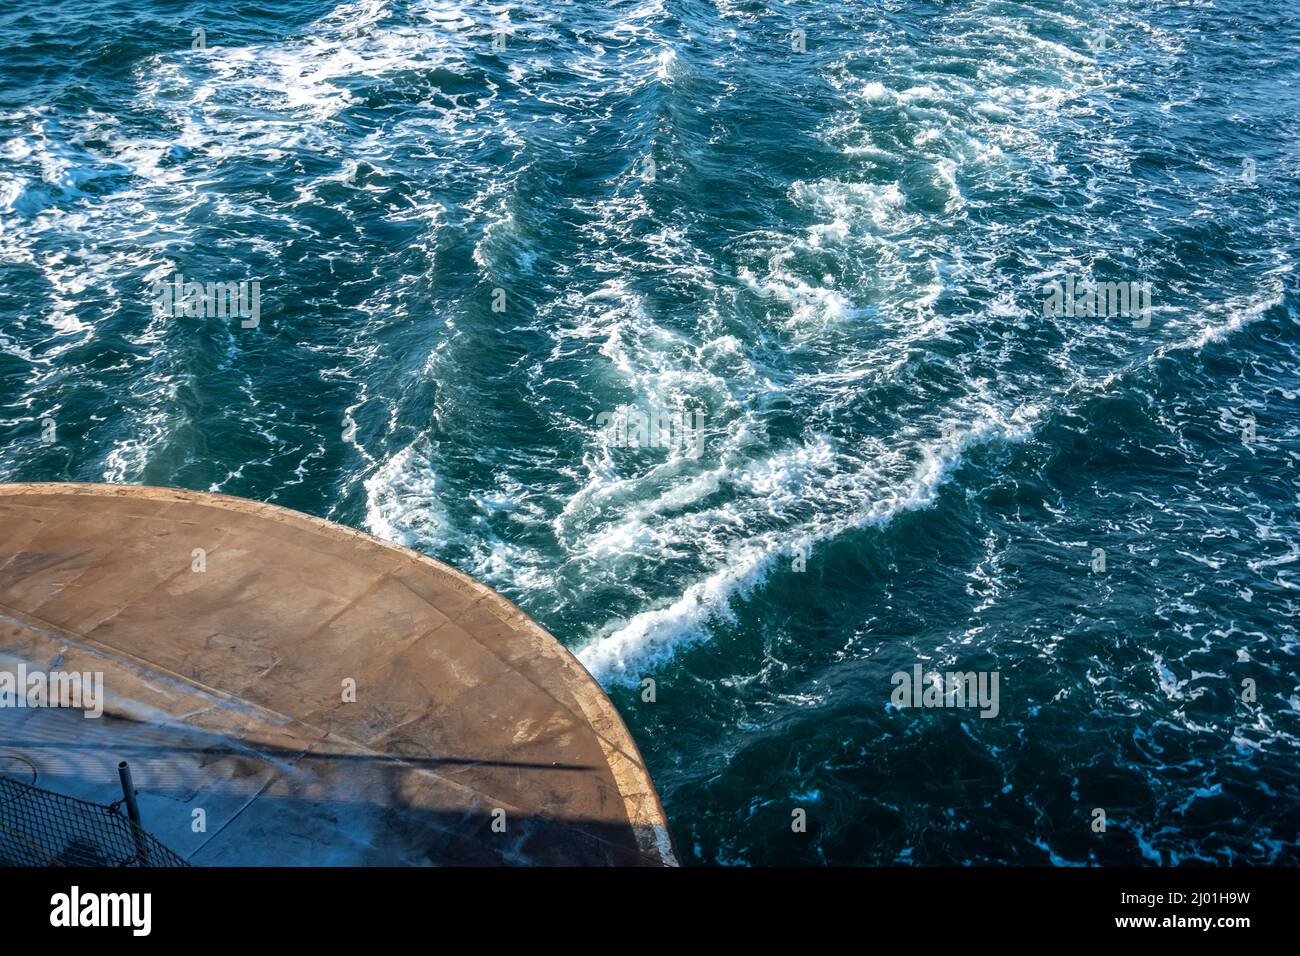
<point x="224" y="690"/>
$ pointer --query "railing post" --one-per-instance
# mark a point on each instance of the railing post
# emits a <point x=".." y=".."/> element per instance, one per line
<point x="133" y="811"/>
<point x="128" y="792"/>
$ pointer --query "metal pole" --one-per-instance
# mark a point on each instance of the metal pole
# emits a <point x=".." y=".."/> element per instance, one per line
<point x="133" y="812"/>
<point x="128" y="793"/>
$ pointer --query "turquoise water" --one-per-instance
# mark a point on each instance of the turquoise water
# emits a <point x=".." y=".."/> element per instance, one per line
<point x="467" y="251"/>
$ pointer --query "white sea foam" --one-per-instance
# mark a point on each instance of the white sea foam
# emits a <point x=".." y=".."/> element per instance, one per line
<point x="403" y="500"/>
<point x="630" y="648"/>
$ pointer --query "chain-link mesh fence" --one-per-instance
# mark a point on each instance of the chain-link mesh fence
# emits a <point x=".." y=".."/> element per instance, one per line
<point x="42" y="828"/>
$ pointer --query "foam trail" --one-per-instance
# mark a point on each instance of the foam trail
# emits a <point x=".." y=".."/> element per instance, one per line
<point x="652" y="637"/>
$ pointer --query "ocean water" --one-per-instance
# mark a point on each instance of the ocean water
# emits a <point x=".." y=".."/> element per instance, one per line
<point x="824" y="231"/>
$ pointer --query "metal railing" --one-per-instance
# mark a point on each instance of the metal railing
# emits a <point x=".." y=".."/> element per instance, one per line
<point x="42" y="828"/>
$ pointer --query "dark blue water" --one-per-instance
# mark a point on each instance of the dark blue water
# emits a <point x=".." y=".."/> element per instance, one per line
<point x="468" y="250"/>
